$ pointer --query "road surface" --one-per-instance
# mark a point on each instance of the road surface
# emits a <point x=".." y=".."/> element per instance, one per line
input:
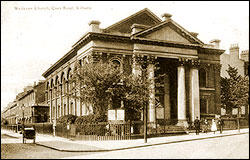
<point x="232" y="147"/>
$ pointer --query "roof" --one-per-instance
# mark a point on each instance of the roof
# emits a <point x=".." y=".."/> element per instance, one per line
<point x="145" y="17"/>
<point x="188" y="35"/>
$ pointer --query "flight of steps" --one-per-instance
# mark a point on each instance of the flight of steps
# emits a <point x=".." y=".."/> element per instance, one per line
<point x="173" y="129"/>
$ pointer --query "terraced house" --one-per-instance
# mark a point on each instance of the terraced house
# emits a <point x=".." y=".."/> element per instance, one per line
<point x="190" y="88"/>
<point x="29" y="105"/>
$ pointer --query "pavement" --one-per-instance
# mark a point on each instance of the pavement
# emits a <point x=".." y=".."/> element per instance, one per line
<point x="68" y="145"/>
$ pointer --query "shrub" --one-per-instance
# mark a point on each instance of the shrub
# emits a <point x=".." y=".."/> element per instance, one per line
<point x="89" y="119"/>
<point x="67" y="119"/>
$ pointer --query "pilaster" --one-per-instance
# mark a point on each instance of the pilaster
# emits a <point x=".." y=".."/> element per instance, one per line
<point x="217" y="68"/>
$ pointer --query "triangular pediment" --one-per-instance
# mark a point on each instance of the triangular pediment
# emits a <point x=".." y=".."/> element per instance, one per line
<point x="144" y="17"/>
<point x="167" y="34"/>
<point x="169" y="31"/>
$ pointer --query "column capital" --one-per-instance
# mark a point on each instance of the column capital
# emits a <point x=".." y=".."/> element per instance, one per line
<point x="151" y="59"/>
<point x="96" y="56"/>
<point x="138" y="59"/>
<point x="217" y="67"/>
<point x="182" y="61"/>
<point x="189" y="62"/>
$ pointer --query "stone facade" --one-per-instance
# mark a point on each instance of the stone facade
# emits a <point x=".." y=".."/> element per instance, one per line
<point x="140" y="38"/>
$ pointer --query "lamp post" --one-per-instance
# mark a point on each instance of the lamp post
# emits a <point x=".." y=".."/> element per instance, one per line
<point x="144" y="67"/>
<point x="238" y="119"/>
<point x="145" y="122"/>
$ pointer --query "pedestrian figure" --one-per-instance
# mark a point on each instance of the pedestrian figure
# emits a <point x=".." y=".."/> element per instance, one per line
<point x="206" y="124"/>
<point x="213" y="127"/>
<point x="197" y="126"/>
<point x="220" y="124"/>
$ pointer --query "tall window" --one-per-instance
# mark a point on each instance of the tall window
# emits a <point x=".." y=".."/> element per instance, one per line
<point x="64" y="110"/>
<point x="203" y="106"/>
<point x="72" y="108"/>
<point x="202" y="77"/>
<point x="59" y="111"/>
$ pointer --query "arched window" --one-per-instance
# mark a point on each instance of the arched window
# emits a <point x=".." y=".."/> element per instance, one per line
<point x="202" y="78"/>
<point x="116" y="63"/>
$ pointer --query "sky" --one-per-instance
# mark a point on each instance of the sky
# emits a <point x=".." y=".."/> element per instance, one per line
<point x="34" y="35"/>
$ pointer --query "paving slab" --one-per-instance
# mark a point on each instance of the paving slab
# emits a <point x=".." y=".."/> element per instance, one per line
<point x="69" y="146"/>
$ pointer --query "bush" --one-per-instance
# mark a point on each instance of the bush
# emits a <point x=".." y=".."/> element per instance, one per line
<point x="89" y="119"/>
<point x="67" y="119"/>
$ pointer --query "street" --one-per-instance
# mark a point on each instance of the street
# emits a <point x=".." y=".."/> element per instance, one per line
<point x="13" y="148"/>
<point x="232" y="147"/>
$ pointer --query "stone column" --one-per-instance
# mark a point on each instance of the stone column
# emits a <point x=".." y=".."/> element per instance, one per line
<point x="194" y="92"/>
<point x="167" y="105"/>
<point x="181" y="96"/>
<point x="151" y="76"/>
<point x="151" y="109"/>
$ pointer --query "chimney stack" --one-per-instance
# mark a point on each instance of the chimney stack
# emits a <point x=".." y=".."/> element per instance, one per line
<point x="234" y="46"/>
<point x="215" y="43"/>
<point x="166" y="16"/>
<point x="234" y="50"/>
<point x="94" y="26"/>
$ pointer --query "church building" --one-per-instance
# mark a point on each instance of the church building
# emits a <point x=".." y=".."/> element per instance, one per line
<point x="190" y="87"/>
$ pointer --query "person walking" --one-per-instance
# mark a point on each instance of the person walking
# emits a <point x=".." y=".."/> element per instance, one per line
<point x="213" y="126"/>
<point x="197" y="126"/>
<point x="206" y="124"/>
<point x="220" y="124"/>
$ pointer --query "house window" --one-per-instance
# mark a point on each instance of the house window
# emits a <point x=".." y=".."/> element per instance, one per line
<point x="202" y="77"/>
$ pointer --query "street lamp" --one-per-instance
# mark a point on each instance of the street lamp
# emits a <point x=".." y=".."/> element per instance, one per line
<point x="144" y="67"/>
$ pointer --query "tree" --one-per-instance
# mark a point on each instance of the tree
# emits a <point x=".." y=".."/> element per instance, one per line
<point x="103" y="84"/>
<point x="234" y="90"/>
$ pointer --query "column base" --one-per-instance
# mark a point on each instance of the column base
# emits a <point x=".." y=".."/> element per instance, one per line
<point x="182" y="123"/>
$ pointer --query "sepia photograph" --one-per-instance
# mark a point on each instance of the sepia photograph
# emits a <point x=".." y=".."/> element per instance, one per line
<point x="124" y="80"/>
